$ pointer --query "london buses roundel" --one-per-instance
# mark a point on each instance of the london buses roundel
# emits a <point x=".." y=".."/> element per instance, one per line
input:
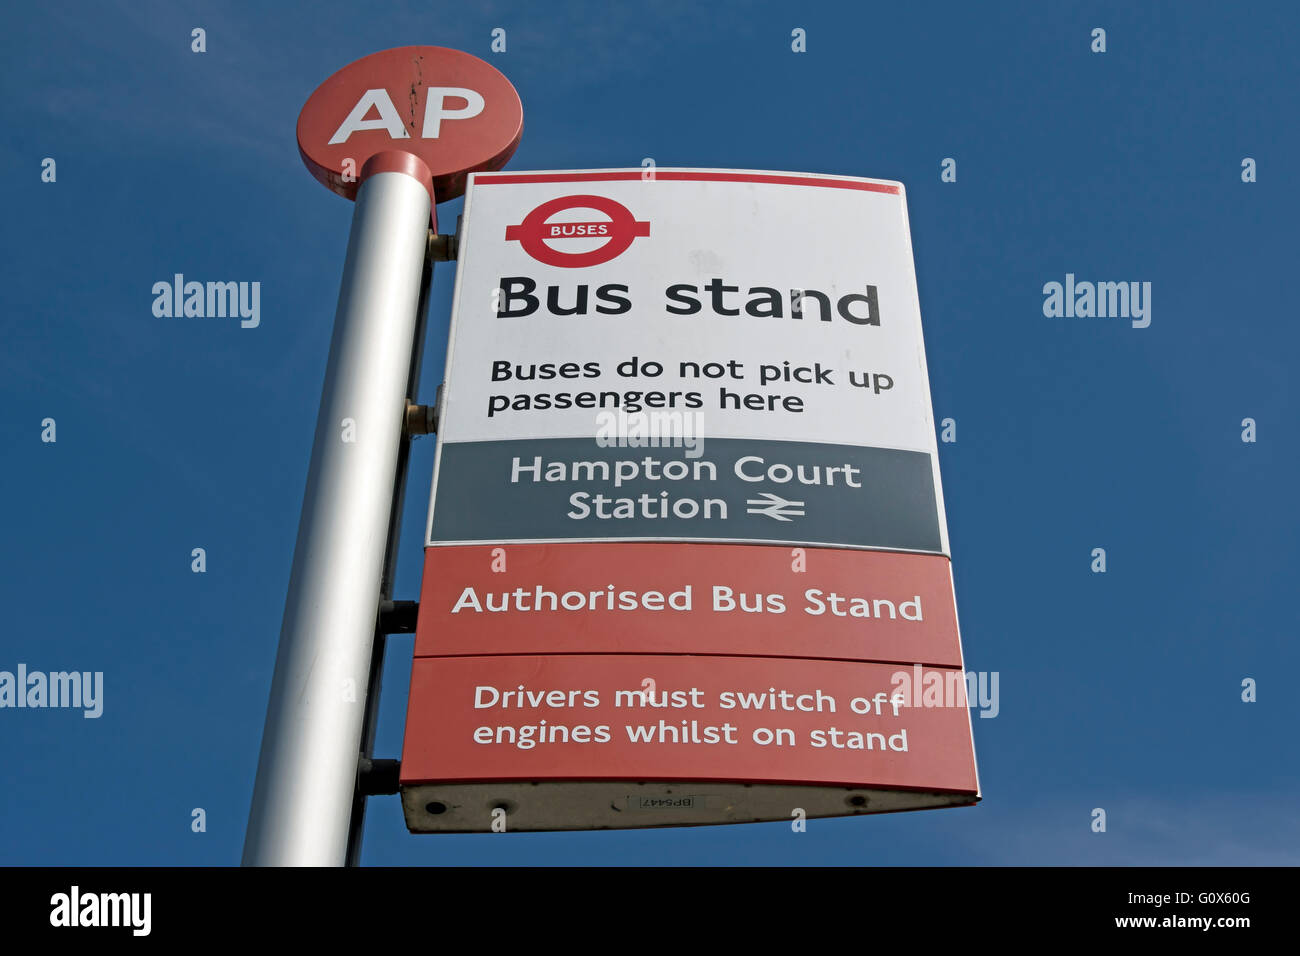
<point x="537" y="231"/>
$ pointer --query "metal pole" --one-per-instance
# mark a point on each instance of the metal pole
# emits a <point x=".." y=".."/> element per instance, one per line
<point x="357" y="823"/>
<point x="307" y="771"/>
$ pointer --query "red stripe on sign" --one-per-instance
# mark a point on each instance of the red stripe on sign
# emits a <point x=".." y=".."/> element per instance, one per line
<point x="673" y="598"/>
<point x="756" y="720"/>
<point x="510" y="178"/>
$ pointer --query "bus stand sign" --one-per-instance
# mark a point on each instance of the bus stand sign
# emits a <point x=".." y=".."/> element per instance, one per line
<point x="686" y="558"/>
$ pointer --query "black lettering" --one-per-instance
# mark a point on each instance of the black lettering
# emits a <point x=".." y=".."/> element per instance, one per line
<point x="718" y="290"/>
<point x="772" y="300"/>
<point x="821" y="297"/>
<point x="677" y="293"/>
<point x="619" y="303"/>
<point x="873" y="312"/>
<point x="509" y="294"/>
<point x="553" y="301"/>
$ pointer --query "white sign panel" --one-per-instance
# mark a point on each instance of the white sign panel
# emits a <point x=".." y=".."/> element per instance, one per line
<point x="679" y="354"/>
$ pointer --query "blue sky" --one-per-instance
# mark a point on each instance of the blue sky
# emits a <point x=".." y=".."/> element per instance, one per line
<point x="1119" y="690"/>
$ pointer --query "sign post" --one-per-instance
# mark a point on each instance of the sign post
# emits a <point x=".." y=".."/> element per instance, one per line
<point x="686" y="560"/>
<point x="396" y="131"/>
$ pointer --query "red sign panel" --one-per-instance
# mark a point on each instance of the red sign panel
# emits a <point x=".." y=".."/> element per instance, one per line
<point x="644" y="598"/>
<point x="687" y="718"/>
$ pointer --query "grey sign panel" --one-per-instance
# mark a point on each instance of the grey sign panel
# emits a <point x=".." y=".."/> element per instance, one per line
<point x="725" y="490"/>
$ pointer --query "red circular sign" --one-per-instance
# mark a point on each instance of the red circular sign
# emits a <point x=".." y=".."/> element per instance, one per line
<point x="453" y="111"/>
<point x="619" y="230"/>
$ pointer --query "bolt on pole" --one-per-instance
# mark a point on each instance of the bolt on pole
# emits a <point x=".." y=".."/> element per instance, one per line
<point x="307" y="770"/>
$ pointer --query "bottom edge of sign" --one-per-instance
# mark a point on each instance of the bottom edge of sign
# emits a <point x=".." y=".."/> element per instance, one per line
<point x="527" y="806"/>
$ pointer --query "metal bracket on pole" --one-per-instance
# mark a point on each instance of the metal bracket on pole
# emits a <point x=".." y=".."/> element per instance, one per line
<point x="420" y="420"/>
<point x="378" y="778"/>
<point x="442" y="247"/>
<point x="398" y="617"/>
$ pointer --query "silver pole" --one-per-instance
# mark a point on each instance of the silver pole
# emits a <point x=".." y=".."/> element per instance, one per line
<point x="307" y="771"/>
<point x="356" y="829"/>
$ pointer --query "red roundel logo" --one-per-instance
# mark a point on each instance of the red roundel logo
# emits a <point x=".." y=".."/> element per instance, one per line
<point x="456" y="113"/>
<point x="538" y="231"/>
